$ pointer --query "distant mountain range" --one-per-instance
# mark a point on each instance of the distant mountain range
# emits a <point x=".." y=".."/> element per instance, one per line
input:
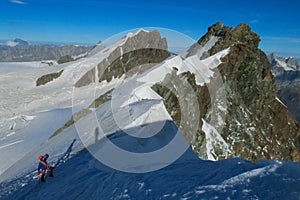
<point x="287" y="76"/>
<point x="16" y="42"/>
<point x="21" y="41"/>
<point x="19" y="50"/>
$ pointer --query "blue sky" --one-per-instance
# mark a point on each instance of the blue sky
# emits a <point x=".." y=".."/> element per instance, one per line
<point x="89" y="21"/>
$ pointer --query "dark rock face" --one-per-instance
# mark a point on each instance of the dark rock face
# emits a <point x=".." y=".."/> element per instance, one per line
<point x="139" y="52"/>
<point x="132" y="60"/>
<point x="65" y="59"/>
<point x="177" y="108"/>
<point x="256" y="125"/>
<point x="47" y="78"/>
<point x="289" y="94"/>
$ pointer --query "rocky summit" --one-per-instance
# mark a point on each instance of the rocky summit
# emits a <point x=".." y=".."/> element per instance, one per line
<point x="254" y="124"/>
<point x="257" y="125"/>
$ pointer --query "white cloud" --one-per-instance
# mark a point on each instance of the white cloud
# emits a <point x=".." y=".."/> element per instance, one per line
<point x="18" y="2"/>
<point x="254" y="21"/>
<point x="283" y="39"/>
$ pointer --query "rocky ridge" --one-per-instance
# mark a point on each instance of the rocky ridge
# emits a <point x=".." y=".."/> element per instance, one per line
<point x="256" y="124"/>
<point x="143" y="50"/>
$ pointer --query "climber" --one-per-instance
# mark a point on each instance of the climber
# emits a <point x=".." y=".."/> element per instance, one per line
<point x="43" y="167"/>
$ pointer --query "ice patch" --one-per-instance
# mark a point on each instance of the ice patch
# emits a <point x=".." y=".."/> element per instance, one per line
<point x="27" y="117"/>
<point x="10" y="144"/>
<point x="245" y="177"/>
<point x="280" y="101"/>
<point x="242" y="179"/>
<point x="213" y="139"/>
<point x="201" y="68"/>
<point x="10" y="134"/>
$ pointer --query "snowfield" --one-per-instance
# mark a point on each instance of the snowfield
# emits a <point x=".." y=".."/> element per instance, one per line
<point x="82" y="177"/>
<point x="128" y="147"/>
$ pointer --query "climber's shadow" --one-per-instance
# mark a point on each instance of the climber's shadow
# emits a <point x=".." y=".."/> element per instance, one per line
<point x="66" y="155"/>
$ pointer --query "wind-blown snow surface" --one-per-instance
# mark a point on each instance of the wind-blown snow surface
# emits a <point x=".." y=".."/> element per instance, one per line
<point x="79" y="175"/>
<point x="83" y="177"/>
<point x="29" y="115"/>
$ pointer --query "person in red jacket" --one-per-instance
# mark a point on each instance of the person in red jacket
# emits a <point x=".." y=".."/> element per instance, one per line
<point x="43" y="167"/>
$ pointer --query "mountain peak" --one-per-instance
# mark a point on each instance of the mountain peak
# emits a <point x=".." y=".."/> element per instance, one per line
<point x="17" y="42"/>
<point x="21" y="42"/>
<point x="218" y="29"/>
<point x="283" y="63"/>
<point x="240" y="35"/>
<point x="256" y="122"/>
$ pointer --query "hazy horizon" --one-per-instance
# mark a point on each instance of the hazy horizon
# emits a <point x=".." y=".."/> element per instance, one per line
<point x="87" y="22"/>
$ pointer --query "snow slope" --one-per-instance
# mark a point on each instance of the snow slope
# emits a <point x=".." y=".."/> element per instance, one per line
<point x="24" y="140"/>
<point x="82" y="177"/>
<point x="49" y="105"/>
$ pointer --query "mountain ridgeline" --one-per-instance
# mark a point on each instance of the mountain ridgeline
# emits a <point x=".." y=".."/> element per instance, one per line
<point x="144" y="49"/>
<point x="242" y="117"/>
<point x="256" y="124"/>
<point x="22" y="51"/>
<point x="287" y="77"/>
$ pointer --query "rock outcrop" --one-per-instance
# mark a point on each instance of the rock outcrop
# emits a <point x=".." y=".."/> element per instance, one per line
<point x="65" y="59"/>
<point x="48" y="77"/>
<point x="139" y="52"/>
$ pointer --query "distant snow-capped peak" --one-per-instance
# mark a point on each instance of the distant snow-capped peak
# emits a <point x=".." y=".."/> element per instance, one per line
<point x="17" y="42"/>
<point x="287" y="63"/>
